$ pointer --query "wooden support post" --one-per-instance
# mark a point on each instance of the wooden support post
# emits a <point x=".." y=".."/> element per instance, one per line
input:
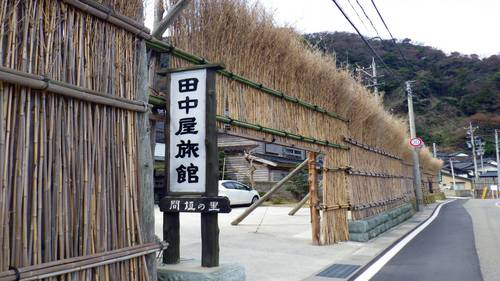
<point x="171" y="224"/>
<point x="299" y="205"/>
<point x="313" y="201"/>
<point x="209" y="221"/>
<point x="275" y="188"/>
<point x="145" y="166"/>
<point x="171" y="235"/>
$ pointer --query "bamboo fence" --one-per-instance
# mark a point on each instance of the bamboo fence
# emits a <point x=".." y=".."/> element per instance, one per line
<point x="68" y="167"/>
<point x="273" y="79"/>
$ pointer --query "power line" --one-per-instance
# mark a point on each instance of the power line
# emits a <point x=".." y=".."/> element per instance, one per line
<point x="366" y="28"/>
<point x="392" y="37"/>
<point x="362" y="38"/>
<point x="367" y="17"/>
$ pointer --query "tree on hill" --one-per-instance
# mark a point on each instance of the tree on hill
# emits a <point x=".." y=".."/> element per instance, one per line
<point x="451" y="90"/>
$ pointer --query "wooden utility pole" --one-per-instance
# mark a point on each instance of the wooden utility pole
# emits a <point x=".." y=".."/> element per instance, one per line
<point x="374" y="76"/>
<point x="498" y="161"/>
<point x="453" y="173"/>
<point x="416" y="162"/>
<point x="470" y="131"/>
<point x="313" y="201"/>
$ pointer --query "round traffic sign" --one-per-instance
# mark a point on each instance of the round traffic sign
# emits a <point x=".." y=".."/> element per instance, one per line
<point x="416" y="142"/>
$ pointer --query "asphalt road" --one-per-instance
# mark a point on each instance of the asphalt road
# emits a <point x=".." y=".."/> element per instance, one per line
<point x="486" y="221"/>
<point x="445" y="250"/>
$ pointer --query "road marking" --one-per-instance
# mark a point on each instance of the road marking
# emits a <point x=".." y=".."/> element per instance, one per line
<point x="383" y="260"/>
<point x="497" y="204"/>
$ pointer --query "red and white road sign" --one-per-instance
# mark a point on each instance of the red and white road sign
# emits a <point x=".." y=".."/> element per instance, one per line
<point x="416" y="142"/>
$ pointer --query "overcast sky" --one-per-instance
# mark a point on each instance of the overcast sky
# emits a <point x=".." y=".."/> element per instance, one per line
<point x="469" y="27"/>
<point x="466" y="26"/>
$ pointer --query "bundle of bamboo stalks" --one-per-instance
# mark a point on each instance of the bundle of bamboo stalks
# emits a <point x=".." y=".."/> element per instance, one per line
<point x="243" y="37"/>
<point x="68" y="168"/>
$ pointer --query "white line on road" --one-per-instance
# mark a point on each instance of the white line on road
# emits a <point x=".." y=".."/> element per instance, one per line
<point x="383" y="260"/>
<point x="497" y="204"/>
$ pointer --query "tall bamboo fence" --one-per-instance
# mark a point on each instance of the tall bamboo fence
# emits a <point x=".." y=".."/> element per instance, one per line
<point x="279" y="89"/>
<point x="68" y="167"/>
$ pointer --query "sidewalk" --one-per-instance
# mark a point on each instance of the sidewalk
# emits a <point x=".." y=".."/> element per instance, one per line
<point x="274" y="246"/>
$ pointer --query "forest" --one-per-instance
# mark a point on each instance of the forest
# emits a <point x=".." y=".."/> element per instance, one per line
<point x="450" y="91"/>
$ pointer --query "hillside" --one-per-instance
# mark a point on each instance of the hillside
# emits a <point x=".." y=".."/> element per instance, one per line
<point x="450" y="91"/>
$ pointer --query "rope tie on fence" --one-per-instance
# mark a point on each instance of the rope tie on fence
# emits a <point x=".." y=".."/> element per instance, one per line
<point x="16" y="272"/>
<point x="336" y="169"/>
<point x="46" y="79"/>
<point x="337" y="206"/>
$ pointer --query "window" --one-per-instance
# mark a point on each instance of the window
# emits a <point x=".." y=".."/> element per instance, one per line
<point x="229" y="185"/>
<point x="278" y="175"/>
<point x="273" y="149"/>
<point x="240" y="186"/>
<point x="460" y="186"/>
<point x="294" y="153"/>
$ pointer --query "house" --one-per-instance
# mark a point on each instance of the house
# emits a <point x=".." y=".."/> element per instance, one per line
<point x="488" y="165"/>
<point x="486" y="181"/>
<point x="461" y="182"/>
<point x="464" y="166"/>
<point x="256" y="162"/>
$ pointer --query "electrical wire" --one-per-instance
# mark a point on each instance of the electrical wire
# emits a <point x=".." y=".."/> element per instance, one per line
<point x="363" y="38"/>
<point x="392" y="37"/>
<point x="359" y="17"/>
<point x="371" y="22"/>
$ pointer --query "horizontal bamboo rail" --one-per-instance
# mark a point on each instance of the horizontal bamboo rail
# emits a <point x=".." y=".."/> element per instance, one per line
<point x="370" y="148"/>
<point x="61" y="267"/>
<point x="377" y="203"/>
<point x="106" y="14"/>
<point x="41" y="83"/>
<point x="111" y="12"/>
<point x="280" y="133"/>
<point x="334" y="207"/>
<point x="158" y="101"/>
<point x="374" y="174"/>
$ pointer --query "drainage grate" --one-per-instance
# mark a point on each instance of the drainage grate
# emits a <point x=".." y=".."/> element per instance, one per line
<point x="338" y="270"/>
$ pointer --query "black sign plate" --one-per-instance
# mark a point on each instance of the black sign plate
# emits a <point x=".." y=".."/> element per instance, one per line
<point x="173" y="204"/>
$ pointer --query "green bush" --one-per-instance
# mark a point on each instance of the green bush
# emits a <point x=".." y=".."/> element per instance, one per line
<point x="299" y="185"/>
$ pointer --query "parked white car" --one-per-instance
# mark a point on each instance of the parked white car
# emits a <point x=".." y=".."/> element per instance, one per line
<point x="237" y="193"/>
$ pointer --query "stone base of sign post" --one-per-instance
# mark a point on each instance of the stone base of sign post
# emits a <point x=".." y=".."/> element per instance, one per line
<point x="192" y="271"/>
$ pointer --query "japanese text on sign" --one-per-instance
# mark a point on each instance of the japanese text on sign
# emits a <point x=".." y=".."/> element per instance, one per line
<point x="187" y="132"/>
<point x="175" y="204"/>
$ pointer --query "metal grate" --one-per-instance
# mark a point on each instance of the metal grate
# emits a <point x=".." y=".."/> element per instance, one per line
<point x="338" y="270"/>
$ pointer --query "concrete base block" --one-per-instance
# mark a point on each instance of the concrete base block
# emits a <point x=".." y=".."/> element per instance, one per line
<point x="371" y="227"/>
<point x="192" y="271"/>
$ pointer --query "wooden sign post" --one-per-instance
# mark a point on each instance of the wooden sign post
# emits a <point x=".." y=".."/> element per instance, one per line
<point x="192" y="184"/>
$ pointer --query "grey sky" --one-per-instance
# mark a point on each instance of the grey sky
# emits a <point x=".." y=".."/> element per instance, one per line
<point x="450" y="25"/>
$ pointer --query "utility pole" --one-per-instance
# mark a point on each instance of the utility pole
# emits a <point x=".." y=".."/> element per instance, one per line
<point x="374" y="76"/>
<point x="416" y="161"/>
<point x="453" y="173"/>
<point x="434" y="153"/>
<point x="498" y="161"/>
<point x="473" y="143"/>
<point x="369" y="78"/>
